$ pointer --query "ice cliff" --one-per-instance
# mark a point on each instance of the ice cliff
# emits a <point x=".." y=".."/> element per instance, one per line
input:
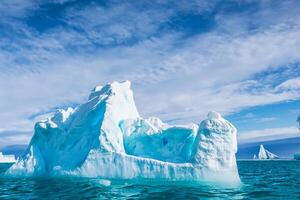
<point x="105" y="137"/>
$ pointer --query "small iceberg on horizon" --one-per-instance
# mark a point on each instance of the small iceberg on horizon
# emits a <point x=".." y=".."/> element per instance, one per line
<point x="264" y="154"/>
<point x="106" y="138"/>
<point x="297" y="155"/>
<point x="7" y="158"/>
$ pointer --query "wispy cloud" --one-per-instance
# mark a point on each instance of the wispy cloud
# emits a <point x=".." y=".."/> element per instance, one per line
<point x="14" y="137"/>
<point x="267" y="119"/>
<point x="250" y="117"/>
<point x="268" y="134"/>
<point x="291" y="84"/>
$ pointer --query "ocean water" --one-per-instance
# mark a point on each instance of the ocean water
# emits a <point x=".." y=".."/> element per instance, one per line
<point x="261" y="180"/>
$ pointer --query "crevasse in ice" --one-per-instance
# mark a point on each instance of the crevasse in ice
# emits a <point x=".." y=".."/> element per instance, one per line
<point x="105" y="137"/>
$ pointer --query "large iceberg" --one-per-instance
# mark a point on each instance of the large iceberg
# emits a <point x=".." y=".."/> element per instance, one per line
<point x="106" y="137"/>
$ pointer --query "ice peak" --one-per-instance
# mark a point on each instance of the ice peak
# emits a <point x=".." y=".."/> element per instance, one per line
<point x="118" y="85"/>
<point x="262" y="152"/>
<point x="214" y="115"/>
<point x="97" y="88"/>
<point x="110" y="88"/>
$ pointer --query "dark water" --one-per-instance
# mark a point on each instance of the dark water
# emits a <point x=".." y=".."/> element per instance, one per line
<point x="261" y="180"/>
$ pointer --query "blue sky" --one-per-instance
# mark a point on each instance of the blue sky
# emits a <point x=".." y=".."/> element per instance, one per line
<point x="184" y="58"/>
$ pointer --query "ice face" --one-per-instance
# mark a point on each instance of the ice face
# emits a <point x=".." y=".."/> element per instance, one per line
<point x="150" y="138"/>
<point x="216" y="144"/>
<point x="105" y="137"/>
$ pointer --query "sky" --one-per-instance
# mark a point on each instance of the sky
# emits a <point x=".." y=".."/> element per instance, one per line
<point x="183" y="58"/>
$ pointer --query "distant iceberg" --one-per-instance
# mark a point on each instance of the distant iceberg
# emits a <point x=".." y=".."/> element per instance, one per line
<point x="254" y="157"/>
<point x="297" y="156"/>
<point x="264" y="154"/>
<point x="7" y="158"/>
<point x="106" y="137"/>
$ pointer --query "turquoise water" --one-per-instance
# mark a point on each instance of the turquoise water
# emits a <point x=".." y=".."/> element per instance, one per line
<point x="261" y="180"/>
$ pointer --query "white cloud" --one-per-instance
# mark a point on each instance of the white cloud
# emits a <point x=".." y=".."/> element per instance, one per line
<point x="267" y="119"/>
<point x="249" y="116"/>
<point x="291" y="84"/>
<point x="15" y="8"/>
<point x="14" y="137"/>
<point x="268" y="134"/>
<point x="175" y="78"/>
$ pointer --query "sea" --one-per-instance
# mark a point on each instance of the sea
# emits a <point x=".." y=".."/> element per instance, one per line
<point x="260" y="180"/>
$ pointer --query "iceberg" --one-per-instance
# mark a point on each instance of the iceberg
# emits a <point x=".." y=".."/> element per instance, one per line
<point x="297" y="155"/>
<point x="264" y="154"/>
<point x="298" y="121"/>
<point x="7" y="158"/>
<point x="105" y="137"/>
<point x="254" y="157"/>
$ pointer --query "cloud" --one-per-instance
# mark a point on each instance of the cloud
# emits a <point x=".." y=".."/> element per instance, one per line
<point x="267" y="119"/>
<point x="13" y="137"/>
<point x="116" y="23"/>
<point x="176" y="77"/>
<point x="15" y="8"/>
<point x="250" y="117"/>
<point x="291" y="84"/>
<point x="268" y="134"/>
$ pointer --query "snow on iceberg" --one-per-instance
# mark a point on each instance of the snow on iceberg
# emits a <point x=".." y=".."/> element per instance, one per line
<point x="105" y="137"/>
